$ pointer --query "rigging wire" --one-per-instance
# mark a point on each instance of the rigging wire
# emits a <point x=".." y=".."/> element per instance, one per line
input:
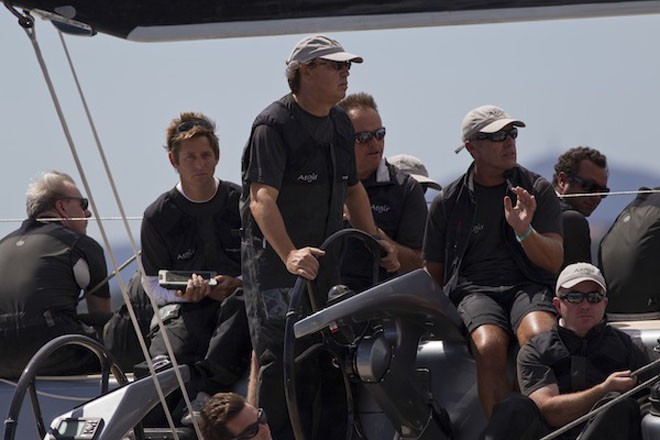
<point x="124" y="291"/>
<point x="27" y="23"/>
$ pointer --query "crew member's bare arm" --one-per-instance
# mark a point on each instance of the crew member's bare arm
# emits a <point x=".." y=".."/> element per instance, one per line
<point x="409" y="258"/>
<point x="359" y="210"/>
<point x="97" y="304"/>
<point x="560" y="409"/>
<point x="545" y="250"/>
<point x="263" y="205"/>
<point x="437" y="272"/>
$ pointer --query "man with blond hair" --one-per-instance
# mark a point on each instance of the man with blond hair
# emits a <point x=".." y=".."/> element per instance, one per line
<point x="195" y="226"/>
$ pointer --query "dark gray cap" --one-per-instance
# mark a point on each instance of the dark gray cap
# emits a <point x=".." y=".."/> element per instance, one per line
<point x="413" y="166"/>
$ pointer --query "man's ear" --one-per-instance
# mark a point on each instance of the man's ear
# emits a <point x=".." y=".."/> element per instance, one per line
<point x="173" y="160"/>
<point x="555" y="302"/>
<point x="562" y="181"/>
<point x="469" y="146"/>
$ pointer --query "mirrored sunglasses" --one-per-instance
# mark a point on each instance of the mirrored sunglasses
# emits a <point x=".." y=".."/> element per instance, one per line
<point x="365" y="136"/>
<point x="498" y="136"/>
<point x="252" y="430"/>
<point x="578" y="297"/>
<point x="190" y="123"/>
<point x="590" y="186"/>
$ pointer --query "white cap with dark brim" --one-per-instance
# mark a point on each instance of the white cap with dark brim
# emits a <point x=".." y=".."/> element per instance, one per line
<point x="485" y="119"/>
<point x="574" y="274"/>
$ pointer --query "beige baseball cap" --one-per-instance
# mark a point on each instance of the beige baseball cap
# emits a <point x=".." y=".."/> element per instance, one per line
<point x="320" y="46"/>
<point x="485" y="119"/>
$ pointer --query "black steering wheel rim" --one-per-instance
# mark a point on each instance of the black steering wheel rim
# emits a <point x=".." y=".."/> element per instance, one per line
<point x="27" y="380"/>
<point x="294" y="314"/>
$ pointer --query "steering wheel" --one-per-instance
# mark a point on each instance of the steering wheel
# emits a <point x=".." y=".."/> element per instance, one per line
<point x="337" y="349"/>
<point x="27" y="381"/>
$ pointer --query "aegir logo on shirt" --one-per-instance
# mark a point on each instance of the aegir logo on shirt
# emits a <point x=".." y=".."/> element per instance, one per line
<point x="186" y="255"/>
<point x="380" y="209"/>
<point x="309" y="178"/>
<point x="477" y="228"/>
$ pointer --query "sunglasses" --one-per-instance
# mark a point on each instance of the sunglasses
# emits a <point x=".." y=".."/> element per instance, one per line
<point x="84" y="203"/>
<point x="190" y="123"/>
<point x="337" y="65"/>
<point x="578" y="297"/>
<point x="252" y="430"/>
<point x="590" y="186"/>
<point x="498" y="136"/>
<point x="365" y="136"/>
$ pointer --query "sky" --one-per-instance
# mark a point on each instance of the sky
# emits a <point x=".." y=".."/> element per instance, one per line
<point x="574" y="82"/>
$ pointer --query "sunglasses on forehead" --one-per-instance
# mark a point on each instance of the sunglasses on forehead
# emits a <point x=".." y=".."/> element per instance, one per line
<point x="578" y="297"/>
<point x="84" y="203"/>
<point x="190" y="123"/>
<point x="590" y="186"/>
<point x="253" y="429"/>
<point x="498" y="136"/>
<point x="365" y="136"/>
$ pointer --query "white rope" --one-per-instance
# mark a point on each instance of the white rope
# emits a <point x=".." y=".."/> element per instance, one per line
<point x="56" y="219"/>
<point x="124" y="291"/>
<point x="611" y="193"/>
<point x="31" y="33"/>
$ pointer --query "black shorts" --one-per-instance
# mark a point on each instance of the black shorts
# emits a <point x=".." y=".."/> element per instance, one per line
<point x="505" y="308"/>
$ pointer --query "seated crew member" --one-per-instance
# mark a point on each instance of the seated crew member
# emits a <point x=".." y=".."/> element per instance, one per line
<point x="565" y="373"/>
<point x="227" y="416"/>
<point x="397" y="200"/>
<point x="44" y="265"/>
<point x="493" y="241"/>
<point x="195" y="227"/>
<point x="579" y="170"/>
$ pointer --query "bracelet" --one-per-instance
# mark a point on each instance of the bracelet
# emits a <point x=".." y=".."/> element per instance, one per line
<point x="526" y="234"/>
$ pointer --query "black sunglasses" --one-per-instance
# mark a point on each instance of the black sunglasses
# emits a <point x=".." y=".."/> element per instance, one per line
<point x="365" y="136"/>
<point x="252" y="430"/>
<point x="577" y="297"/>
<point x="84" y="203"/>
<point x="190" y="123"/>
<point x="498" y="136"/>
<point x="590" y="186"/>
<point x="337" y="65"/>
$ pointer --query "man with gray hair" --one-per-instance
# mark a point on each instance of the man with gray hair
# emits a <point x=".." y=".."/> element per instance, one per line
<point x="44" y="265"/>
<point x="298" y="171"/>
<point x="493" y="241"/>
